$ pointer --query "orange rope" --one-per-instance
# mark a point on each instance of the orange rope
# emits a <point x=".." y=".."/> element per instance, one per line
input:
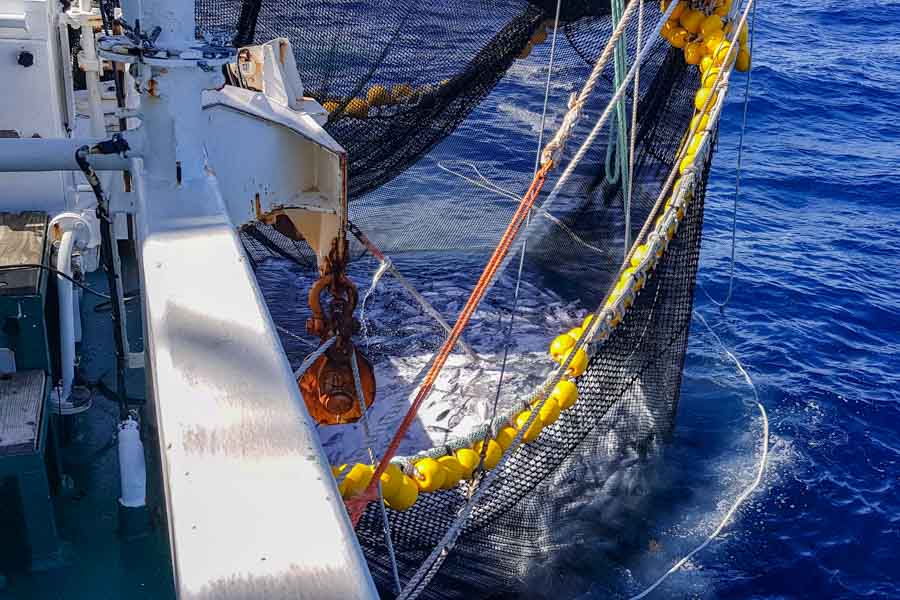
<point x="357" y="505"/>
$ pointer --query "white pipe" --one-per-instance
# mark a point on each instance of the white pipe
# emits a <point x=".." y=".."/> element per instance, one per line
<point x="91" y="67"/>
<point x="58" y="154"/>
<point x="132" y="469"/>
<point x="66" y="313"/>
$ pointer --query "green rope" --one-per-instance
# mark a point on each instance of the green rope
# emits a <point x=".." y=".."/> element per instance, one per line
<point x="618" y="129"/>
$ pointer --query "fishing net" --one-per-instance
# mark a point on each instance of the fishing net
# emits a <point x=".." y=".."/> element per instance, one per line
<point x="439" y="154"/>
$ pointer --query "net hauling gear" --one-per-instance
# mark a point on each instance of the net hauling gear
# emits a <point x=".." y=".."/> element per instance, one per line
<point x="328" y="385"/>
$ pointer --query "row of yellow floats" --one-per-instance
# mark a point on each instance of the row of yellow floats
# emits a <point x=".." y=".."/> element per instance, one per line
<point x="703" y="37"/>
<point x="379" y="96"/>
<point x="401" y="488"/>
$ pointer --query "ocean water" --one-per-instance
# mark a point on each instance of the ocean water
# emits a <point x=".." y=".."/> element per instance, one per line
<point x="814" y="318"/>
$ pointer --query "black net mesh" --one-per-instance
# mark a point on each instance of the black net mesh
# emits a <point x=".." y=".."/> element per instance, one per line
<point x="439" y="170"/>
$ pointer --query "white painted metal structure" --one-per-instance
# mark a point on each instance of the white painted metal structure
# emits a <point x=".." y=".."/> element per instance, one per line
<point x="253" y="511"/>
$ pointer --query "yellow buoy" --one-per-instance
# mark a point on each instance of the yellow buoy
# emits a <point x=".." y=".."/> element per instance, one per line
<point x="533" y="431"/>
<point x="711" y="25"/>
<point x="357" y="108"/>
<point x="709" y="78"/>
<point x="575" y="333"/>
<point x="705" y="63"/>
<point x="711" y="44"/>
<point x="685" y="164"/>
<point x="378" y="95"/>
<point x="695" y="143"/>
<point x="549" y="412"/>
<point x="578" y="365"/>
<point x="680" y="7"/>
<point x="679" y="38"/>
<point x="743" y="60"/>
<point x="405" y="496"/>
<point x="743" y="36"/>
<point x="723" y="8"/>
<point x="469" y="460"/>
<point x="453" y="471"/>
<point x="565" y="393"/>
<point x="391" y="480"/>
<point x="722" y="55"/>
<point x="330" y="105"/>
<point x="699" y="122"/>
<point x="693" y="53"/>
<point x="506" y="436"/>
<point x="401" y="92"/>
<point x="671" y="230"/>
<point x="668" y="29"/>
<point x="691" y="20"/>
<point x="429" y="475"/>
<point x="640" y="253"/>
<point x="705" y="99"/>
<point x="560" y="345"/>
<point x="638" y="277"/>
<point x="356" y="480"/>
<point x="492" y="455"/>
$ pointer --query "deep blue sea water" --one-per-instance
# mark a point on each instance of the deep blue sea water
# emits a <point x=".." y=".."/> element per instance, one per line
<point x="815" y="318"/>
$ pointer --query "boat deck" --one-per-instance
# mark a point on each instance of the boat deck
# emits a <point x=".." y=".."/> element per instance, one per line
<point x="96" y="561"/>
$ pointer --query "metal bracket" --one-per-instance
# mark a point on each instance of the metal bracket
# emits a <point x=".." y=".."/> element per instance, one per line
<point x="87" y="64"/>
<point x="135" y="360"/>
<point x="122" y="202"/>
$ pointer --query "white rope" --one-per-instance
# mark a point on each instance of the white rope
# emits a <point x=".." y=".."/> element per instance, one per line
<point x="313" y="356"/>
<point x="764" y="455"/>
<point x="554" y="148"/>
<point x="493" y="187"/>
<point x="293" y="335"/>
<point x="515" y="304"/>
<point x="620" y="91"/>
<point x="427" y="307"/>
<point x="737" y="185"/>
<point x="598" y="126"/>
<point x="386" y="524"/>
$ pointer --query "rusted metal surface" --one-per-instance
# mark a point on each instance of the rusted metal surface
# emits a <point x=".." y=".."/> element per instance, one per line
<point x="328" y="387"/>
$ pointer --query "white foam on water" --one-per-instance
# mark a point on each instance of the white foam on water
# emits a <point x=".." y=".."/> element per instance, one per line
<point x="401" y="341"/>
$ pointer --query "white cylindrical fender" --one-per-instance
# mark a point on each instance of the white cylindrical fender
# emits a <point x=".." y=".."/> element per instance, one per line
<point x="132" y="469"/>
